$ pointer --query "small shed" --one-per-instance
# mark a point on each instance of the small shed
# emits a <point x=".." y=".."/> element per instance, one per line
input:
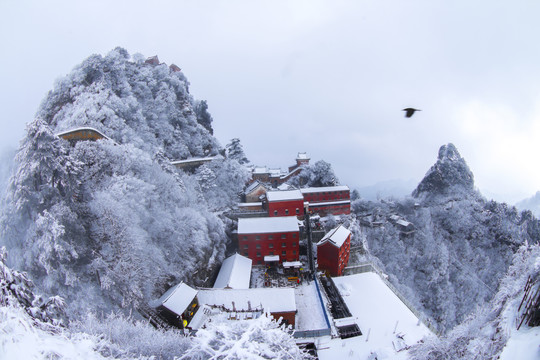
<point x="235" y="273"/>
<point x="177" y="305"/>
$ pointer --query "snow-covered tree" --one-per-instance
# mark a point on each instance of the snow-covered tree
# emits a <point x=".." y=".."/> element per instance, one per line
<point x="235" y="151"/>
<point x="256" y="339"/>
<point x="318" y="174"/>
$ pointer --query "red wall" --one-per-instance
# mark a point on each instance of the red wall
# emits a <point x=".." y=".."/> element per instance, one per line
<point x="257" y="246"/>
<point x="288" y="317"/>
<point x="332" y="259"/>
<point x="327" y="196"/>
<point x="280" y="208"/>
<point x="324" y="209"/>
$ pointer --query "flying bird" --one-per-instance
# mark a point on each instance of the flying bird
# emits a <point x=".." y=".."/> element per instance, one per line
<point x="410" y="111"/>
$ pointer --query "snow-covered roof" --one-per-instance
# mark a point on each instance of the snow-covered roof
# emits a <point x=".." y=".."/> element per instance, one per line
<point x="302" y="156"/>
<point x="194" y="160"/>
<point x="336" y="236"/>
<point x="254" y="185"/>
<point x="284" y="195"/>
<point x="378" y="311"/>
<point x="403" y="223"/>
<point x="284" y="187"/>
<point x="67" y="132"/>
<point x="267" y="225"/>
<point x="288" y="264"/>
<point x="260" y="170"/>
<point x="235" y="273"/>
<point x="176" y="299"/>
<point x="249" y="204"/>
<point x="329" y="203"/>
<point x="270" y="299"/>
<point x="275" y="172"/>
<point x="324" y="189"/>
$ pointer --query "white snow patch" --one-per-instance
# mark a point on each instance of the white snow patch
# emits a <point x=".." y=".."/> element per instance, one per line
<point x="310" y="314"/>
<point x="387" y="325"/>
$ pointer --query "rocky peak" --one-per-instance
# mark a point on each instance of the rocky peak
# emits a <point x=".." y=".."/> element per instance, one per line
<point x="449" y="176"/>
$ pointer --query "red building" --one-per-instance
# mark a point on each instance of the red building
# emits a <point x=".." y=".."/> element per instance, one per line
<point x="333" y="251"/>
<point x="335" y="200"/>
<point x="260" y="237"/>
<point x="285" y="203"/>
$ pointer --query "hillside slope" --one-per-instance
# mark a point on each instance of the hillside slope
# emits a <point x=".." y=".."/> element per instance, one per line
<point x="452" y="256"/>
<point x="110" y="223"/>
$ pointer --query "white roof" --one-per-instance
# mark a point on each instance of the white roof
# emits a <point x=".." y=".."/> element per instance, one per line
<point x="260" y="170"/>
<point x="195" y="159"/>
<point x="82" y="129"/>
<point x="271" y="258"/>
<point x="270" y="299"/>
<point x="329" y="203"/>
<point x="403" y="223"/>
<point x="253" y="186"/>
<point x="267" y="225"/>
<point x="284" y="195"/>
<point x="235" y="273"/>
<point x="249" y="204"/>
<point x="302" y="156"/>
<point x="177" y="298"/>
<point x="336" y="236"/>
<point x="292" y="264"/>
<point x="325" y="189"/>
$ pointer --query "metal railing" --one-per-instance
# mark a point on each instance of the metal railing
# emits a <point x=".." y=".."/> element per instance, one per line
<point x="312" y="333"/>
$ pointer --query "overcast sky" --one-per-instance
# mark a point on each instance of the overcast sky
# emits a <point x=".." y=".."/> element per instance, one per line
<point x="326" y="77"/>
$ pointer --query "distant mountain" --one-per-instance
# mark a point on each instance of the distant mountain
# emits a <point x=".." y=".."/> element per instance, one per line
<point x="110" y="224"/>
<point x="386" y="189"/>
<point x="452" y="246"/>
<point x="450" y="176"/>
<point x="532" y="204"/>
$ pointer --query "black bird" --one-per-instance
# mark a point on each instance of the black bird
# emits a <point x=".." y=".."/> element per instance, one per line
<point x="410" y="111"/>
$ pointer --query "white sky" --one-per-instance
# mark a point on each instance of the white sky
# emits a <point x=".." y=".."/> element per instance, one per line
<point x="326" y="77"/>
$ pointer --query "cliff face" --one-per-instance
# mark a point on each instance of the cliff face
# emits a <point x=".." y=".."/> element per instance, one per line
<point x="450" y="175"/>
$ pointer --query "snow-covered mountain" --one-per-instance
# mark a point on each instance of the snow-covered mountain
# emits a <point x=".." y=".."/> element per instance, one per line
<point x="110" y="224"/>
<point x="532" y="204"/>
<point x="446" y="247"/>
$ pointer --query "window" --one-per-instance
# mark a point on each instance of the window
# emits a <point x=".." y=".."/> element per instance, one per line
<point x="245" y="253"/>
<point x="294" y="243"/>
<point x="270" y="246"/>
<point x="257" y="237"/>
<point x="245" y="237"/>
<point x="283" y="253"/>
<point x="275" y="212"/>
<point x="258" y="246"/>
<point x="294" y="252"/>
<point x="270" y="237"/>
<point x="258" y="254"/>
<point x="283" y="236"/>
<point x="283" y="244"/>
<point x="297" y="211"/>
<point x="294" y="236"/>
<point x="246" y="246"/>
<point x="286" y="211"/>
<point x="271" y="253"/>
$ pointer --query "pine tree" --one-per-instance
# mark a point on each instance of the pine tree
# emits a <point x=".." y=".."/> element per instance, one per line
<point x="235" y="151"/>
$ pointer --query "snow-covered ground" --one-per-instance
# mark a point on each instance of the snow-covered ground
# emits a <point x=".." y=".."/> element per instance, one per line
<point x="310" y="314"/>
<point x="20" y="339"/>
<point x="523" y="345"/>
<point x="386" y="323"/>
